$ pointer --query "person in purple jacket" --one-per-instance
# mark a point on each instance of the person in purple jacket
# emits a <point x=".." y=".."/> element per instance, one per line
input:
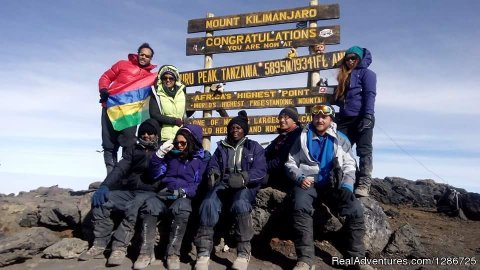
<point x="234" y="174"/>
<point x="355" y="95"/>
<point x="177" y="167"/>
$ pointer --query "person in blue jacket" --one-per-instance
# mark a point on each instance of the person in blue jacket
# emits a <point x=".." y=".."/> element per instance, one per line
<point x="124" y="190"/>
<point x="355" y="95"/>
<point x="235" y="173"/>
<point x="177" y="169"/>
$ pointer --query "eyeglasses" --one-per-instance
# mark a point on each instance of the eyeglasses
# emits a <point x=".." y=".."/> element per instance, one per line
<point x="323" y="109"/>
<point x="351" y="58"/>
<point x="181" y="143"/>
<point x="168" y="78"/>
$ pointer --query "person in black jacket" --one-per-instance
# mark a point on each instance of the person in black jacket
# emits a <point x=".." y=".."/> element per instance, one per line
<point x="277" y="151"/>
<point x="124" y="189"/>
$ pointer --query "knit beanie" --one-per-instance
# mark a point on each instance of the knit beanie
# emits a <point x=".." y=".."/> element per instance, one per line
<point x="291" y="112"/>
<point x="150" y="126"/>
<point x="241" y="120"/>
<point x="356" y="50"/>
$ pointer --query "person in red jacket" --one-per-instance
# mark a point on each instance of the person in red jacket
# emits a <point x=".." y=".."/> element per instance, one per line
<point x="123" y="72"/>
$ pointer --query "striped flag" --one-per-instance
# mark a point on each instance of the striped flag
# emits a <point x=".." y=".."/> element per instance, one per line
<point x="127" y="105"/>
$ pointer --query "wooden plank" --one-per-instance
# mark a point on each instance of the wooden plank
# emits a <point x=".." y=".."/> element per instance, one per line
<point x="310" y="13"/>
<point x="268" y="40"/>
<point x="263" y="69"/>
<point x="263" y="124"/>
<point x="266" y="98"/>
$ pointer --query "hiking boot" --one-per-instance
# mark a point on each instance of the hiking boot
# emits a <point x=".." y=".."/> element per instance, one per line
<point x="173" y="262"/>
<point x="95" y="252"/>
<point x="362" y="191"/>
<point x="241" y="263"/>
<point x="116" y="258"/>
<point x="143" y="261"/>
<point x="202" y="263"/>
<point x="303" y="266"/>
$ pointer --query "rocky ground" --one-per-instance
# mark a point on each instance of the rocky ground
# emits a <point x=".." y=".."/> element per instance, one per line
<point x="415" y="230"/>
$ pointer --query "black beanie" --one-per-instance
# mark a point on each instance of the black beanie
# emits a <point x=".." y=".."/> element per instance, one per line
<point x="241" y="120"/>
<point x="150" y="126"/>
<point x="291" y="112"/>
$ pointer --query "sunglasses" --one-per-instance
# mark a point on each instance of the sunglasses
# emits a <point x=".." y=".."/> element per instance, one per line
<point x="181" y="143"/>
<point x="351" y="58"/>
<point x="168" y="78"/>
<point x="323" y="109"/>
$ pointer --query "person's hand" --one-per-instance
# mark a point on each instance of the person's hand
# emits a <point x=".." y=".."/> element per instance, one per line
<point x="307" y="182"/>
<point x="368" y="121"/>
<point x="100" y="196"/>
<point x="165" y="148"/>
<point x="344" y="196"/>
<point x="213" y="178"/>
<point x="235" y="180"/>
<point x="103" y="95"/>
<point x="178" y="122"/>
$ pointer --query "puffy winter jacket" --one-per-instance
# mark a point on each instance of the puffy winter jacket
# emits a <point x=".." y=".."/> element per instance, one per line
<point x="124" y="72"/>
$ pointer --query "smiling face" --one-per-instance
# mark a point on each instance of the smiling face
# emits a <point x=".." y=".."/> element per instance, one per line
<point x="168" y="80"/>
<point x="180" y="142"/>
<point x="351" y="60"/>
<point x="236" y="132"/>
<point x="144" y="57"/>
<point x="149" y="137"/>
<point x="285" y="122"/>
<point x="321" y="123"/>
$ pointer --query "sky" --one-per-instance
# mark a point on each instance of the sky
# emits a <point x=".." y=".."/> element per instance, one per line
<point x="425" y="54"/>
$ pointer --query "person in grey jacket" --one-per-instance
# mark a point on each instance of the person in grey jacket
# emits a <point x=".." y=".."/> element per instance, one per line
<point x="322" y="168"/>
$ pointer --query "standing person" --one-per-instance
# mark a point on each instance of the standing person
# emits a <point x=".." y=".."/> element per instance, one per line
<point x="355" y="95"/>
<point x="276" y="153"/>
<point x="169" y="105"/>
<point x="177" y="168"/>
<point x="235" y="174"/>
<point x="124" y="190"/>
<point x="123" y="72"/>
<point x="322" y="167"/>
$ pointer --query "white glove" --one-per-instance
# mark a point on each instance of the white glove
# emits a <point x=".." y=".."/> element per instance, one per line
<point x="165" y="148"/>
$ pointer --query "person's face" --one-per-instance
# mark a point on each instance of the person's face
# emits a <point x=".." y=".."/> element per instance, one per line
<point x="144" y="57"/>
<point x="168" y="80"/>
<point x="285" y="122"/>
<point x="321" y="123"/>
<point x="351" y="60"/>
<point x="236" y="132"/>
<point x="146" y="136"/>
<point x="180" y="143"/>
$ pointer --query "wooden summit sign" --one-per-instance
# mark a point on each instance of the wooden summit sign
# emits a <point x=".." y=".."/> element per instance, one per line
<point x="263" y="124"/>
<point x="310" y="13"/>
<point x="267" y="98"/>
<point x="267" y="40"/>
<point x="263" y="69"/>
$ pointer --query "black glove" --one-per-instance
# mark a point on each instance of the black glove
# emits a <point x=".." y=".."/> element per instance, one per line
<point x="344" y="196"/>
<point x="103" y="95"/>
<point x="178" y="122"/>
<point x="368" y="121"/>
<point x="213" y="178"/>
<point x="245" y="176"/>
<point x="179" y="193"/>
<point x="100" y="196"/>
<point x="236" y="180"/>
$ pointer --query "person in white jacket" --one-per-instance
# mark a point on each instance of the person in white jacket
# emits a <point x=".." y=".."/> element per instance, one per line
<point x="322" y="167"/>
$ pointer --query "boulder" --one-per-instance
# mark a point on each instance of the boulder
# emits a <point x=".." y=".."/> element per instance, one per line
<point x="25" y="244"/>
<point x="377" y="229"/>
<point x="67" y="248"/>
<point x="404" y="241"/>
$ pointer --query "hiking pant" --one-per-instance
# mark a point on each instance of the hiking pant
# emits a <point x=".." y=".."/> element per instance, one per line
<point x="240" y="202"/>
<point x="180" y="210"/>
<point x="112" y="140"/>
<point x="125" y="201"/>
<point x="363" y="141"/>
<point x="304" y="201"/>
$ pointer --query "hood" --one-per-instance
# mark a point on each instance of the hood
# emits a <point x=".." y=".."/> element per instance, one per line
<point x="133" y="58"/>
<point x="172" y="70"/>
<point x="196" y="131"/>
<point x="366" y="60"/>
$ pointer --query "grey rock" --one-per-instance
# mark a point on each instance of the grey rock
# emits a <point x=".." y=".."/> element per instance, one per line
<point x="377" y="229"/>
<point x="67" y="248"/>
<point x="25" y="244"/>
<point x="404" y="241"/>
<point x="471" y="205"/>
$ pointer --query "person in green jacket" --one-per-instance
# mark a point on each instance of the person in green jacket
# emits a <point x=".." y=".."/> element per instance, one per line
<point x="168" y="103"/>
